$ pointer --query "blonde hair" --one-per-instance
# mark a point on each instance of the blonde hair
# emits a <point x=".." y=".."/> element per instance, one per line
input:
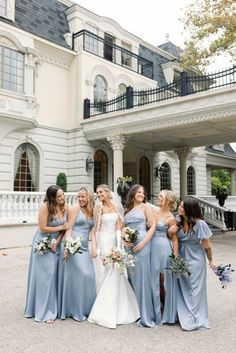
<point x="170" y="197"/>
<point x="90" y="197"/>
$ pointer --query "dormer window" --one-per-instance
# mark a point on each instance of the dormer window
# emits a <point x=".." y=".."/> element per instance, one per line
<point x="11" y="70"/>
<point x="7" y="9"/>
<point x="3" y="8"/>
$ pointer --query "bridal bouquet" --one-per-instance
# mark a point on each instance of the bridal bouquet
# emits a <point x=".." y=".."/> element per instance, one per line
<point x="119" y="259"/>
<point x="45" y="245"/>
<point x="224" y="274"/>
<point x="129" y="234"/>
<point x="72" y="246"/>
<point x="178" y="266"/>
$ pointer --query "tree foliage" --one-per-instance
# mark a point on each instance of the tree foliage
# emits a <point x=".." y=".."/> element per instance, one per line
<point x="219" y="178"/>
<point x="211" y="27"/>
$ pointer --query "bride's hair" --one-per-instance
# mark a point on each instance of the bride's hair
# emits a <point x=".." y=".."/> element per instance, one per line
<point x="98" y="206"/>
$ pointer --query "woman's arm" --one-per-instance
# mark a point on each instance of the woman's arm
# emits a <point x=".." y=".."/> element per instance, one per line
<point x="174" y="237"/>
<point x="207" y="247"/>
<point x="43" y="220"/>
<point x="149" y="215"/>
<point x="96" y="212"/>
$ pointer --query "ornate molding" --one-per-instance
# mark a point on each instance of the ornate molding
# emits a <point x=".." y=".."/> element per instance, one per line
<point x="183" y="152"/>
<point x="117" y="141"/>
<point x="55" y="62"/>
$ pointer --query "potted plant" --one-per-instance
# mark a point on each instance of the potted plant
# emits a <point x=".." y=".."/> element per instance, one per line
<point x="124" y="184"/>
<point x="62" y="181"/>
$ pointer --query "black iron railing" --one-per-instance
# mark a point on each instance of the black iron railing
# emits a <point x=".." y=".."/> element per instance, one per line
<point x="184" y="86"/>
<point x="106" y="49"/>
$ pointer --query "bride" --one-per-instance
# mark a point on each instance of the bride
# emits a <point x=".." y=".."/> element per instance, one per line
<point x="116" y="302"/>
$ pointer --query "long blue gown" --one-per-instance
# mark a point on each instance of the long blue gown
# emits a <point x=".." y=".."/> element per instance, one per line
<point x="161" y="249"/>
<point x="140" y="275"/>
<point x="191" y="291"/>
<point x="42" y="289"/>
<point x="77" y="287"/>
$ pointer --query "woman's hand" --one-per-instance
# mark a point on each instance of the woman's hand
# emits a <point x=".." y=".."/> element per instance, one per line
<point x="94" y="253"/>
<point x="128" y="244"/>
<point x="67" y="225"/>
<point x="54" y="247"/>
<point x="212" y="265"/>
<point x="149" y="223"/>
<point x="139" y="247"/>
<point x="66" y="254"/>
<point x="172" y="230"/>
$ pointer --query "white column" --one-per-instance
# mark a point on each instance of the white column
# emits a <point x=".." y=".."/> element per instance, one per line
<point x="182" y="154"/>
<point x="232" y="184"/>
<point x="117" y="143"/>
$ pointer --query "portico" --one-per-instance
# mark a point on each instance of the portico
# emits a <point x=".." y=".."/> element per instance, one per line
<point x="179" y="124"/>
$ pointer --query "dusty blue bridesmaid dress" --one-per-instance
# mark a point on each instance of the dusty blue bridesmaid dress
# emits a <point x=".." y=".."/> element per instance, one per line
<point x="161" y="249"/>
<point x="191" y="291"/>
<point x="42" y="289"/>
<point x="77" y="287"/>
<point x="140" y="275"/>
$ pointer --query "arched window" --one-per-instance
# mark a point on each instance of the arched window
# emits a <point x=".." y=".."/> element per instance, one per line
<point x="121" y="104"/>
<point x="100" y="168"/>
<point x="144" y="174"/>
<point x="165" y="176"/>
<point x="100" y="92"/>
<point x="191" y="181"/>
<point x="26" y="168"/>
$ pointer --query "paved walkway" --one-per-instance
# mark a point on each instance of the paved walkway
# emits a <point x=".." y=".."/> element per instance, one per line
<point x="21" y="335"/>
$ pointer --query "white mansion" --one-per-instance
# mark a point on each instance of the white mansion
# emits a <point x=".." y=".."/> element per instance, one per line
<point x="58" y="59"/>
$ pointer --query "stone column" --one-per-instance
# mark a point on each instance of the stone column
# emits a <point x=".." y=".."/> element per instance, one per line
<point x="182" y="154"/>
<point x="232" y="184"/>
<point x="117" y="143"/>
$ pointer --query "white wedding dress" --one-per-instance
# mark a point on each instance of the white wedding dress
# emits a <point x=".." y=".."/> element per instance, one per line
<point x="116" y="302"/>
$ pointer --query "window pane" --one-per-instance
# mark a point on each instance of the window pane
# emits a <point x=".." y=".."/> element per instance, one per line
<point x="12" y="70"/>
<point x="165" y="177"/>
<point x="191" y="181"/>
<point x="100" y="169"/>
<point x="26" y="168"/>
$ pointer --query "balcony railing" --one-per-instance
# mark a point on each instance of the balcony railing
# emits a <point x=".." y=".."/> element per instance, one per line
<point x="103" y="48"/>
<point x="184" y="86"/>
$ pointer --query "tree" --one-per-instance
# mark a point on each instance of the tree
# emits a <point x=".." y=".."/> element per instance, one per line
<point x="62" y="181"/>
<point x="220" y="178"/>
<point x="211" y="25"/>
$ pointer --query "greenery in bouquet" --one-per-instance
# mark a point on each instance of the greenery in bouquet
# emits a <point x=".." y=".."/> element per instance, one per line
<point x="120" y="260"/>
<point x="178" y="266"/>
<point x="129" y="235"/>
<point x="123" y="182"/>
<point x="45" y="245"/>
<point x="224" y="274"/>
<point x="72" y="246"/>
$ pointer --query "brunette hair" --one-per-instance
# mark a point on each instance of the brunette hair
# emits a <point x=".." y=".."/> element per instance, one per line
<point x="50" y="199"/>
<point x="90" y="198"/>
<point x="192" y="211"/>
<point x="129" y="204"/>
<point x="170" y="197"/>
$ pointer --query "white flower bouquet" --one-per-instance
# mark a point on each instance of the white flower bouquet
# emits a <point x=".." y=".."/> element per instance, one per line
<point x="120" y="260"/>
<point x="129" y="234"/>
<point x="72" y="246"/>
<point x="45" y="245"/>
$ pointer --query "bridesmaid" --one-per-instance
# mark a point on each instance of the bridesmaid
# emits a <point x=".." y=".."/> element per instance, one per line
<point x="42" y="290"/>
<point x="137" y="214"/>
<point x="194" y="246"/>
<point x="163" y="282"/>
<point x="77" y="278"/>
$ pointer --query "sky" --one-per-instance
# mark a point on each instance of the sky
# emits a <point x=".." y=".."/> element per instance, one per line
<point x="150" y="20"/>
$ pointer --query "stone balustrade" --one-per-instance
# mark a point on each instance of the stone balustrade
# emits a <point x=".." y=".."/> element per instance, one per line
<point x="22" y="207"/>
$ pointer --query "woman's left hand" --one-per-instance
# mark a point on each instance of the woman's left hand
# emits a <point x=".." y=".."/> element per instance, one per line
<point x="54" y="247"/>
<point x="138" y="247"/>
<point x="212" y="265"/>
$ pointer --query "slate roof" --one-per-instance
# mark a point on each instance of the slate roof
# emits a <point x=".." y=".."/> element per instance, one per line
<point x="44" y="18"/>
<point x="171" y="48"/>
<point x="228" y="150"/>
